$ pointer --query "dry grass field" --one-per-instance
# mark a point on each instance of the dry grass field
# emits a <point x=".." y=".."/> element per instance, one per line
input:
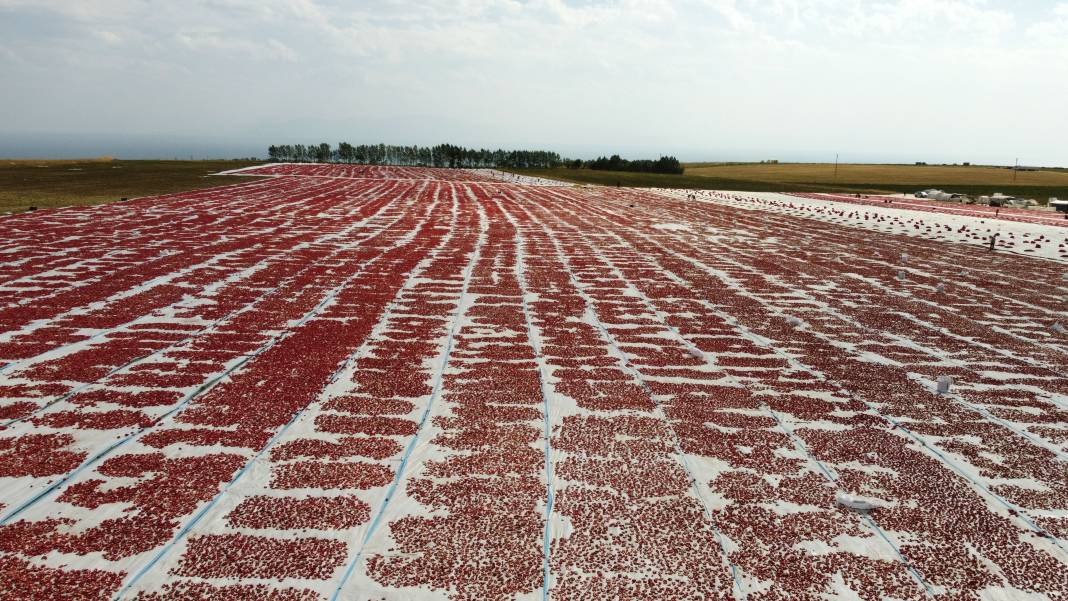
<point x="60" y="183"/>
<point x="917" y="175"/>
<point x="813" y="177"/>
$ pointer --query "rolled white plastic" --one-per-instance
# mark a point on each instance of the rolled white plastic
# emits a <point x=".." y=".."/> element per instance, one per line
<point x="856" y="503"/>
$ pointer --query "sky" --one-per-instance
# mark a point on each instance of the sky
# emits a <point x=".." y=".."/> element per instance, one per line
<point x="793" y="80"/>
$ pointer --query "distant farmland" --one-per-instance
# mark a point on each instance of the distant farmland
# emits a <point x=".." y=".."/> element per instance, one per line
<point x="49" y="184"/>
<point x="915" y="175"/>
<point x="820" y="177"/>
<point x="974" y="180"/>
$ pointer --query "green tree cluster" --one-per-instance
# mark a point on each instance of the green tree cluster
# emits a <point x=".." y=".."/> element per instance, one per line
<point x="665" y="164"/>
<point x="442" y="155"/>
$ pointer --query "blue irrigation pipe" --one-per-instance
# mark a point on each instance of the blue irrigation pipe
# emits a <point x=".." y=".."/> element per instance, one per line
<point x="248" y="464"/>
<point x="435" y="393"/>
<point x="543" y="382"/>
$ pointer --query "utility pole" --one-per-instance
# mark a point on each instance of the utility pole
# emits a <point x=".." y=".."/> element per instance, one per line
<point x="836" y="166"/>
<point x="1015" y="169"/>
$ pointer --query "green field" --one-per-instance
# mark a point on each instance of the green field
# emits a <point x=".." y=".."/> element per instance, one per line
<point x="48" y="184"/>
<point x="850" y="178"/>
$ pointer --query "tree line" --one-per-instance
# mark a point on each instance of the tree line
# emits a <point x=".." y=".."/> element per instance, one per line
<point x="665" y="164"/>
<point x="442" y="155"/>
<point x="449" y="155"/>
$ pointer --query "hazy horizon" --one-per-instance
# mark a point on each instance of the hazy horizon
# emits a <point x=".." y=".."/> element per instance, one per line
<point x="941" y="81"/>
<point x="147" y="148"/>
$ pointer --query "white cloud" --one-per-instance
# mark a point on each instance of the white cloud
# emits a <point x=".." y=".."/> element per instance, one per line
<point x="227" y="45"/>
<point x="935" y="18"/>
<point x="9" y="55"/>
<point x="1054" y="29"/>
<point x="108" y="37"/>
<point x="738" y="19"/>
<point x="87" y="10"/>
